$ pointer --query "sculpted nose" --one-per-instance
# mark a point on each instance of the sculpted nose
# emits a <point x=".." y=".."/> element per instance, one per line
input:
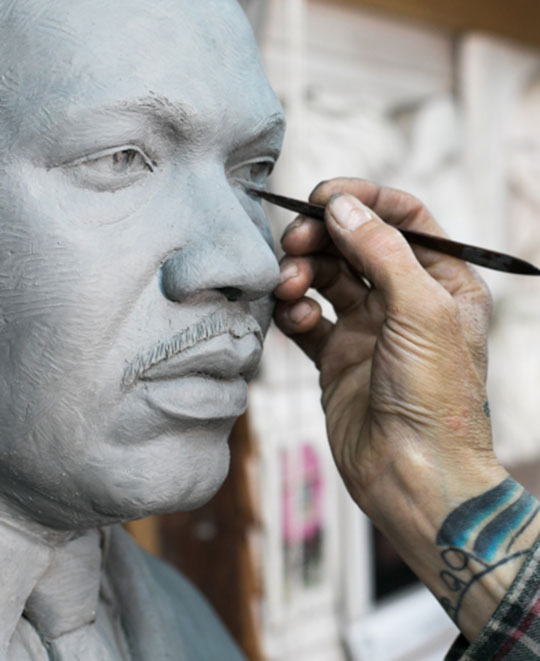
<point x="230" y="256"/>
<point x="231" y="293"/>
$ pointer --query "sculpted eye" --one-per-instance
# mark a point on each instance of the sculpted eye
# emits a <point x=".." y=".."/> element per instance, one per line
<point x="125" y="161"/>
<point x="254" y="173"/>
<point x="129" y="159"/>
<point x="111" y="169"/>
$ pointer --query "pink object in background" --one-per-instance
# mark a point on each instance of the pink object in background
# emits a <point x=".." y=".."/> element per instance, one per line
<point x="302" y="494"/>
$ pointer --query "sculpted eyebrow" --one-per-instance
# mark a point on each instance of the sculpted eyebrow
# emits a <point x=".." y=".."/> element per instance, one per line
<point x="182" y="120"/>
<point x="103" y="127"/>
<point x="174" y="120"/>
<point x="158" y="110"/>
<point x="269" y="131"/>
<point x="171" y="115"/>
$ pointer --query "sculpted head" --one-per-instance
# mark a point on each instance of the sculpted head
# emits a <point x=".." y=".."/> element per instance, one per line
<point x="135" y="268"/>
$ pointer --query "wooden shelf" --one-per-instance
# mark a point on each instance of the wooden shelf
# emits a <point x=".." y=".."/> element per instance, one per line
<point x="517" y="20"/>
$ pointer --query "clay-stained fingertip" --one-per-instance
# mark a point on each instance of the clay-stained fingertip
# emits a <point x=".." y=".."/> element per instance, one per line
<point x="296" y="317"/>
<point x="296" y="223"/>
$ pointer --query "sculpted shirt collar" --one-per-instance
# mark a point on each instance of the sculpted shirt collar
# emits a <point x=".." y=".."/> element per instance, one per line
<point x="54" y="584"/>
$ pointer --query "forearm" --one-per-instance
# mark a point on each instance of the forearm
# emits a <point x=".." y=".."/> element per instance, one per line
<point x="466" y="539"/>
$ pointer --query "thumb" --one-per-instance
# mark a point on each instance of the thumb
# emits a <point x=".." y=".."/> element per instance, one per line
<point x="377" y="251"/>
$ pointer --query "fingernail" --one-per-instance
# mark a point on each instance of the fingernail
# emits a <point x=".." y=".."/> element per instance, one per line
<point x="287" y="271"/>
<point x="299" y="312"/>
<point x="348" y="212"/>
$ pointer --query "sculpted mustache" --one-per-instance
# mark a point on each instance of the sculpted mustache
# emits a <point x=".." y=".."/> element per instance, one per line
<point x="237" y="324"/>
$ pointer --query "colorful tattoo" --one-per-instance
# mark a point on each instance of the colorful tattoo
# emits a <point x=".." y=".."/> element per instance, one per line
<point x="479" y="535"/>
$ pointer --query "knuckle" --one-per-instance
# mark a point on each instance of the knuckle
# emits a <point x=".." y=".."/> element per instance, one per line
<point x="443" y="310"/>
<point x="477" y="317"/>
<point x="324" y="190"/>
<point x="325" y="272"/>
<point x="386" y="254"/>
<point x="413" y="206"/>
<point x="385" y="241"/>
<point x="479" y="305"/>
<point x="485" y="299"/>
<point x="318" y="187"/>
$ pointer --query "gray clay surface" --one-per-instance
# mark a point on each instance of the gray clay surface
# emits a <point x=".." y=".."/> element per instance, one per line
<point x="135" y="280"/>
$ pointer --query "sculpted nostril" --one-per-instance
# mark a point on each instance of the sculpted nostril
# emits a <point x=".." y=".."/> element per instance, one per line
<point x="231" y="293"/>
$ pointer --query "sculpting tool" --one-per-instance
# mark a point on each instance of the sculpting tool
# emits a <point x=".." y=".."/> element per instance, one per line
<point x="490" y="259"/>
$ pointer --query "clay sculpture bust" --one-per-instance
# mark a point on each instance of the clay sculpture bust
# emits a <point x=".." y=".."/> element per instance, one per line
<point x="135" y="273"/>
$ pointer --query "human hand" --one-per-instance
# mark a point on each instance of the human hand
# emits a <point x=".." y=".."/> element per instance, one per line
<point x="403" y="368"/>
<point x="403" y="372"/>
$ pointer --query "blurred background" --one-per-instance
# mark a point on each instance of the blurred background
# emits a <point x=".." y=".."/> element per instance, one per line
<point x="441" y="98"/>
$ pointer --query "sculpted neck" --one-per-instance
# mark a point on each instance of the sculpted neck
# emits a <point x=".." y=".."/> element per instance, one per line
<point x="35" y="561"/>
<point x="13" y="515"/>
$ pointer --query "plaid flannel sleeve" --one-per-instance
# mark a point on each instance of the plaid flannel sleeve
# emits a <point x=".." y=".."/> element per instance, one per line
<point x="513" y="632"/>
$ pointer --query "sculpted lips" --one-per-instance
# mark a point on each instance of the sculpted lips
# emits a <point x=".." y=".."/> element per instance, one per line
<point x="206" y="382"/>
<point x="223" y="345"/>
<point x="201" y="373"/>
<point x="222" y="357"/>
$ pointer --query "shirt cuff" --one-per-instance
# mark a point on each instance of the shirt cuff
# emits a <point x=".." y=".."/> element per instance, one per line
<point x="513" y="632"/>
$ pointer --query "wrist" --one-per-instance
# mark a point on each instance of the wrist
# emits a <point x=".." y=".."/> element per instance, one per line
<point x="411" y="498"/>
<point x="465" y="534"/>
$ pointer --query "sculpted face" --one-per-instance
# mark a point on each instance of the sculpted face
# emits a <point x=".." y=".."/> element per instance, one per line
<point x="135" y="269"/>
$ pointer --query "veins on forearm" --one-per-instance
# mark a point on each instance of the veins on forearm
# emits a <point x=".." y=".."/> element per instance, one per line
<point x="481" y="535"/>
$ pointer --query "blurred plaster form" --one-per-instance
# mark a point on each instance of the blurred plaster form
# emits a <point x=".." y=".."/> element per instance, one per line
<point x="514" y="382"/>
<point x="374" y="98"/>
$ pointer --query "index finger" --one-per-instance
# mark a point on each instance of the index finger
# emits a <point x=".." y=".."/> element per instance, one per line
<point x="305" y="235"/>
<point x="404" y="211"/>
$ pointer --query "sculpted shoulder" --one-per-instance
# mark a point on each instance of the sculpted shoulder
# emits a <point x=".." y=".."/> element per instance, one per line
<point x="163" y="613"/>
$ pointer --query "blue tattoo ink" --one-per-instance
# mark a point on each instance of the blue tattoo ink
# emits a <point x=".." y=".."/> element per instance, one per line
<point x="461" y="523"/>
<point x="522" y="529"/>
<point x="497" y="518"/>
<point x="502" y="526"/>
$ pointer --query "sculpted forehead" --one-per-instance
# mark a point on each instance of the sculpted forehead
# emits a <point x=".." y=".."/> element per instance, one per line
<point x="60" y="55"/>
